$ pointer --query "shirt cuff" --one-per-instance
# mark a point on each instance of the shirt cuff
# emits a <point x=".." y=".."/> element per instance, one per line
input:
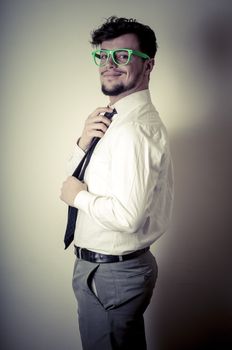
<point x="83" y="199"/>
<point x="78" y="151"/>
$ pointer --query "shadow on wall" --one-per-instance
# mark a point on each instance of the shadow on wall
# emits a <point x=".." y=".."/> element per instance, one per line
<point x="192" y="307"/>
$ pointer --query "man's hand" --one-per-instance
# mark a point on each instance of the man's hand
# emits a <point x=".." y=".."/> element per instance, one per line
<point x="70" y="188"/>
<point x="95" y="126"/>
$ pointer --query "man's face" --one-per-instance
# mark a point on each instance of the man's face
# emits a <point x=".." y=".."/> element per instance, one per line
<point x="123" y="80"/>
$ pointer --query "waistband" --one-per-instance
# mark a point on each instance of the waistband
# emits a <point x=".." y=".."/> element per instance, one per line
<point x="88" y="255"/>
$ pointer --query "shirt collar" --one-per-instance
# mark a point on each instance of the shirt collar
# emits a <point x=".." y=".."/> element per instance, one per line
<point x="130" y="102"/>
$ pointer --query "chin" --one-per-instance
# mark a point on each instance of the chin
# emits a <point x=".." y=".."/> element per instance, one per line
<point x="114" y="90"/>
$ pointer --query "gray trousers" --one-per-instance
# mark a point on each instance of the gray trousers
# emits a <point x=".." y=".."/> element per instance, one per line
<point x="111" y="315"/>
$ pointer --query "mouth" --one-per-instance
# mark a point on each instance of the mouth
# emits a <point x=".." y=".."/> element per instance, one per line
<point x="111" y="74"/>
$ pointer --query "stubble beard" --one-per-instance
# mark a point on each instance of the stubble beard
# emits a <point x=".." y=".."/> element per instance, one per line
<point x="117" y="89"/>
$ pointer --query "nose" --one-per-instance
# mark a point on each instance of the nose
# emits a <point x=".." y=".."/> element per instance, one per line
<point x="110" y="62"/>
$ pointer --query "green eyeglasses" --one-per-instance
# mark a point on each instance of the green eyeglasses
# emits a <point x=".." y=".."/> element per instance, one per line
<point x="120" y="57"/>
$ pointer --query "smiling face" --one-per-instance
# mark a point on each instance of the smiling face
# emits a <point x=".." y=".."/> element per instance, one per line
<point x="120" y="81"/>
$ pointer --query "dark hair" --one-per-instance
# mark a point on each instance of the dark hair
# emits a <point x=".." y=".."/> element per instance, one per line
<point x="115" y="26"/>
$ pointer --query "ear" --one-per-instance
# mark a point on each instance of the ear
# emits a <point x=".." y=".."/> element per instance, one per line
<point x="150" y="64"/>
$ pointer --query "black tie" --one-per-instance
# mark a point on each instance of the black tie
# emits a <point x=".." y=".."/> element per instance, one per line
<point x="79" y="174"/>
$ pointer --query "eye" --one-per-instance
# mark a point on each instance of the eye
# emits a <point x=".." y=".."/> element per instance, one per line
<point x="121" y="56"/>
<point x="103" y="56"/>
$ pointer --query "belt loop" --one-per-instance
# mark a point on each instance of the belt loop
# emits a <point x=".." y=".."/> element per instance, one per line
<point x="120" y="258"/>
<point x="80" y="249"/>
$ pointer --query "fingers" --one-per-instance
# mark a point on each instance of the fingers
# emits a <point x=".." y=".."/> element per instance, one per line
<point x="99" y="119"/>
<point x="70" y="188"/>
<point x="98" y="126"/>
<point x="98" y="116"/>
<point x="95" y="133"/>
<point x="103" y="110"/>
<point x="95" y="126"/>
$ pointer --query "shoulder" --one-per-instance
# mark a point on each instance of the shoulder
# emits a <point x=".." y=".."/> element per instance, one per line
<point x="140" y="140"/>
<point x="148" y="131"/>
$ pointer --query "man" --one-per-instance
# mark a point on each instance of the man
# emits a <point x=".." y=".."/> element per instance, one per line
<point x="124" y="203"/>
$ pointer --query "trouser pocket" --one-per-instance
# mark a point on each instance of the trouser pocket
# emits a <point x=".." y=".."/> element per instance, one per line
<point x="83" y="275"/>
<point x="118" y="283"/>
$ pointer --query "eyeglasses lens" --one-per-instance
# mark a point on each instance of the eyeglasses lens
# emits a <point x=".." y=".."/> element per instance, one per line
<point x="120" y="57"/>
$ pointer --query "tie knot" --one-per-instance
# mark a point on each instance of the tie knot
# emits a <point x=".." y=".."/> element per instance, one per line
<point x="109" y="115"/>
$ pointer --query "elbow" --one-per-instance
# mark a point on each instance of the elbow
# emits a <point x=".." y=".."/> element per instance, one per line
<point x="129" y="222"/>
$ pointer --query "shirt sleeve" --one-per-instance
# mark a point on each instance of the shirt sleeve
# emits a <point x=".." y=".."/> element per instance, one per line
<point x="74" y="159"/>
<point x="135" y="164"/>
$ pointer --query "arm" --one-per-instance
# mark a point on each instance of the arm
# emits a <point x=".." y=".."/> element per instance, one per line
<point x="74" y="159"/>
<point x="95" y="126"/>
<point x="135" y="169"/>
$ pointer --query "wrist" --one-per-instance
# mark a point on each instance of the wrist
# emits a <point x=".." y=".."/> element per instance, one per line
<point x="83" y="187"/>
<point x="79" y="144"/>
